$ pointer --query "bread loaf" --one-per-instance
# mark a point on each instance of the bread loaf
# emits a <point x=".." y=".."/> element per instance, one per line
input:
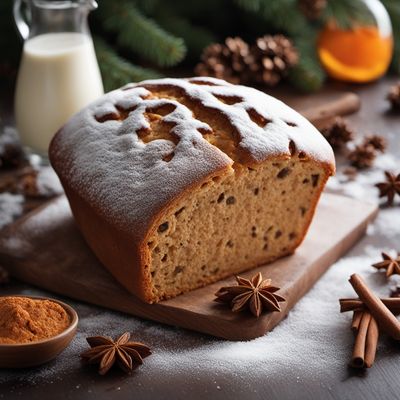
<point x="176" y="183"/>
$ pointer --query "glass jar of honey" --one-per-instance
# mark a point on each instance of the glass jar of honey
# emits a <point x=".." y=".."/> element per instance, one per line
<point x="361" y="52"/>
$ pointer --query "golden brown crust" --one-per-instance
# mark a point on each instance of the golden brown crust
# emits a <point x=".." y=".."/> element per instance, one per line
<point x="112" y="247"/>
<point x="126" y="259"/>
<point x="131" y="156"/>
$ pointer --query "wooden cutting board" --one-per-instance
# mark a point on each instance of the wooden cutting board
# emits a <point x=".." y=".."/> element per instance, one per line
<point x="45" y="248"/>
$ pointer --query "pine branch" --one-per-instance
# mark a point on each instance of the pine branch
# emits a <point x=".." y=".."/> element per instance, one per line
<point x="348" y="12"/>
<point x="148" y="6"/>
<point x="393" y="7"/>
<point x="140" y="34"/>
<point x="308" y="74"/>
<point x="284" y="15"/>
<point x="248" y="5"/>
<point x="196" y="38"/>
<point x="202" y="10"/>
<point x="115" y="70"/>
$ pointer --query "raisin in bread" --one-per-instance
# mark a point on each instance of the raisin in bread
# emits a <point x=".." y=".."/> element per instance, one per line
<point x="176" y="183"/>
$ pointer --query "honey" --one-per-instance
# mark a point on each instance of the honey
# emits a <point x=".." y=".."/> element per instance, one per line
<point x="360" y="54"/>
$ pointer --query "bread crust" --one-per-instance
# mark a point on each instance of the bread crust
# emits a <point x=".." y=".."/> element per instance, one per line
<point x="118" y="207"/>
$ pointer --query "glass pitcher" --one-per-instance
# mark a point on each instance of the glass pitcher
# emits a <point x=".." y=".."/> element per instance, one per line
<point x="58" y="74"/>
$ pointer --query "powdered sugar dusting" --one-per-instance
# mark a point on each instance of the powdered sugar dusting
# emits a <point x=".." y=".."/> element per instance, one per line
<point x="47" y="182"/>
<point x="11" y="207"/>
<point x="101" y="147"/>
<point x="272" y="139"/>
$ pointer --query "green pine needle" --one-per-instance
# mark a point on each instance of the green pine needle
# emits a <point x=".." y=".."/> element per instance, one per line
<point x="348" y="12"/>
<point x="393" y="7"/>
<point x="148" y="6"/>
<point x="249" y="5"/>
<point x="285" y="16"/>
<point x="307" y="75"/>
<point x="140" y="34"/>
<point x="196" y="37"/>
<point x="116" y="71"/>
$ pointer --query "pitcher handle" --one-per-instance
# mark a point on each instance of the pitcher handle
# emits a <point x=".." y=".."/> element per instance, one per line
<point x="20" y="22"/>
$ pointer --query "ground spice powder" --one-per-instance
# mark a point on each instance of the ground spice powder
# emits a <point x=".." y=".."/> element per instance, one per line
<point x="24" y="320"/>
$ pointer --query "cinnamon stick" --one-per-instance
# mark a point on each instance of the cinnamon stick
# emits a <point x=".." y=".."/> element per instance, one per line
<point x="358" y="357"/>
<point x="371" y="343"/>
<point x="386" y="320"/>
<point x="320" y="116"/>
<point x="356" y="320"/>
<point x="393" y="304"/>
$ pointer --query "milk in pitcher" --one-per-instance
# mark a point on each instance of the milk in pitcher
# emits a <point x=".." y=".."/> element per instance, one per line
<point x="58" y="76"/>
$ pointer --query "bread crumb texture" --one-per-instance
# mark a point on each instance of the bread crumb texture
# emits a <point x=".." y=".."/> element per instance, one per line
<point x="208" y="178"/>
<point x="233" y="223"/>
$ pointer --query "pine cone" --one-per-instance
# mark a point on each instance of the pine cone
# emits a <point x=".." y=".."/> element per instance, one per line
<point x="312" y="9"/>
<point x="362" y="156"/>
<point x="229" y="61"/>
<point x="378" y="142"/>
<point x="273" y="56"/>
<point x="394" y="97"/>
<point x="338" y="133"/>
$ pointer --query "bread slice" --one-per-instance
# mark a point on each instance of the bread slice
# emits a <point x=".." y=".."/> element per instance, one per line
<point x="176" y="183"/>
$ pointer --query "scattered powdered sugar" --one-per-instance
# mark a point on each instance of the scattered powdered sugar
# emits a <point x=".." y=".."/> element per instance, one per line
<point x="47" y="182"/>
<point x="312" y="344"/>
<point x="363" y="187"/>
<point x="11" y="207"/>
<point x="387" y="224"/>
<point x="9" y="137"/>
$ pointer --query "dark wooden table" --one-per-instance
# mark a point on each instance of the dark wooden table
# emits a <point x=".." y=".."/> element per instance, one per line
<point x="65" y="378"/>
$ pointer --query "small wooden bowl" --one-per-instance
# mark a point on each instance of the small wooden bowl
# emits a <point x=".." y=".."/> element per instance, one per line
<point x="25" y="355"/>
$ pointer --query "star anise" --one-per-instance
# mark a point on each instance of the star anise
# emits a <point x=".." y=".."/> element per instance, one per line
<point x="338" y="133"/>
<point x="376" y="141"/>
<point x="391" y="265"/>
<point x="362" y="156"/>
<point x="106" y="352"/>
<point x="254" y="293"/>
<point x="390" y="187"/>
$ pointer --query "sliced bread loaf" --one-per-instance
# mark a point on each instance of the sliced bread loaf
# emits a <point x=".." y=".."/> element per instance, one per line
<point x="176" y="183"/>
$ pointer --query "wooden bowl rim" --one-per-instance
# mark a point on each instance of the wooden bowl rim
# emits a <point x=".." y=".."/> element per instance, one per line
<point x="69" y="330"/>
